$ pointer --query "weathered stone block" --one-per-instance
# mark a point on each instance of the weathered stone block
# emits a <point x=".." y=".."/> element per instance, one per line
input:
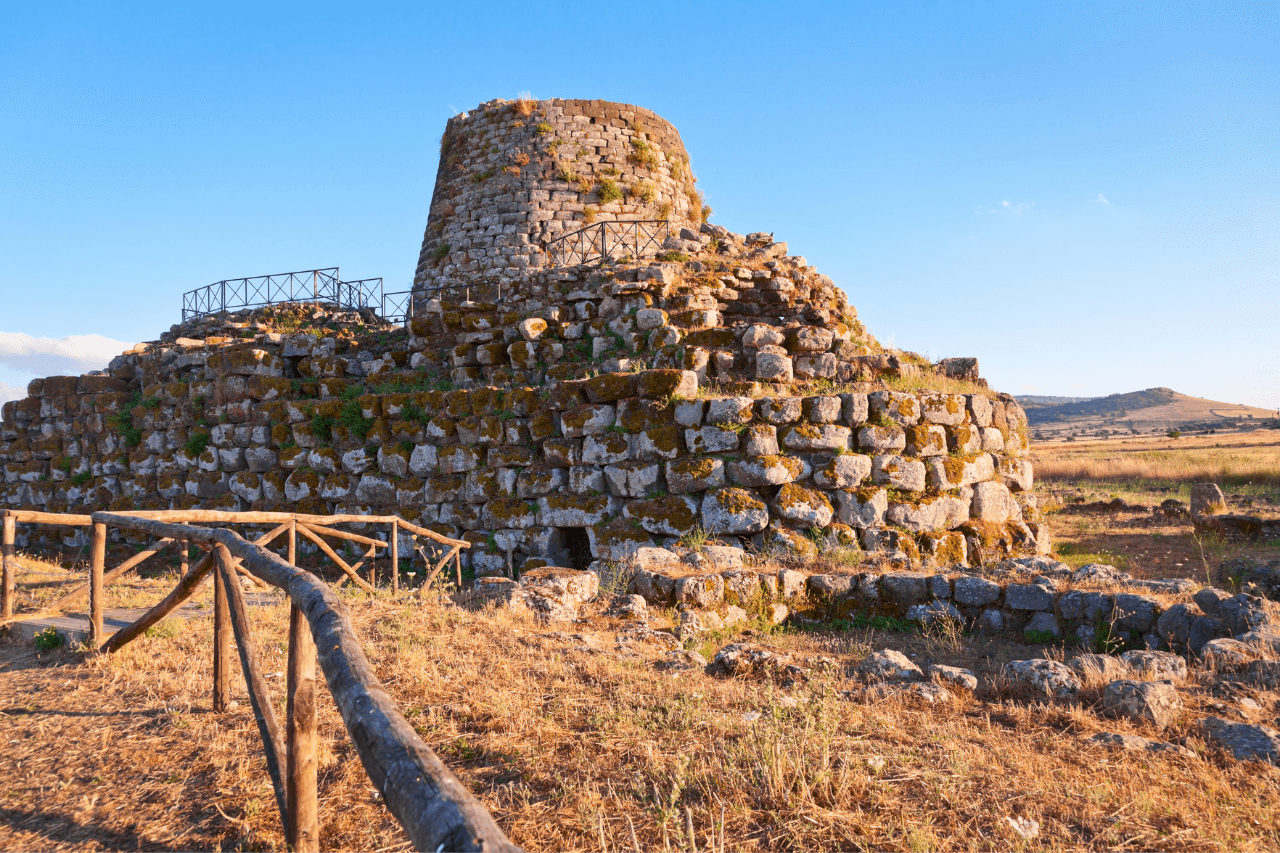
<point x="663" y="384"/>
<point x="815" y="437"/>
<point x="670" y="515"/>
<point x="807" y="507"/>
<point x="993" y="503"/>
<point x="607" y="449"/>
<point x="766" y="471"/>
<point x="863" y="508"/>
<point x="573" y="510"/>
<point x="587" y="420"/>
<point x="711" y="439"/>
<point x="1030" y="596"/>
<point x="779" y="411"/>
<point x="898" y="472"/>
<point x="694" y="474"/>
<point x="975" y="591"/>
<point x="733" y="512"/>
<point x="896" y="406"/>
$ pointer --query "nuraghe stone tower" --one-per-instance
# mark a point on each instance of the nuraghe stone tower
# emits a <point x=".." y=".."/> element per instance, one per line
<point x="708" y="383"/>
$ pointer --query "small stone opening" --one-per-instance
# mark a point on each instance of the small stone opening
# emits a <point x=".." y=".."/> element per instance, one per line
<point x="578" y="547"/>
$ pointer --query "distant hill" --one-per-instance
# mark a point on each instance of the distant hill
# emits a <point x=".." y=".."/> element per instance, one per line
<point x="1151" y="410"/>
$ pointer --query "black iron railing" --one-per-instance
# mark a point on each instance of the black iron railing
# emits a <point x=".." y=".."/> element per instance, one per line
<point x="614" y="239"/>
<point x="322" y="285"/>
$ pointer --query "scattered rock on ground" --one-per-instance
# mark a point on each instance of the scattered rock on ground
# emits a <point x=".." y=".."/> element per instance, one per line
<point x="888" y="665"/>
<point x="954" y="676"/>
<point x="1244" y="741"/>
<point x="682" y="660"/>
<point x="742" y="659"/>
<point x="1156" y="665"/>
<point x="1040" y="677"/>
<point x="1132" y="743"/>
<point x="1101" y="666"/>
<point x="1153" y="702"/>
<point x="1225" y="653"/>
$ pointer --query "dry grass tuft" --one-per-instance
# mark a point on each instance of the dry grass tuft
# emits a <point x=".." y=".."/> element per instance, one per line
<point x="525" y="104"/>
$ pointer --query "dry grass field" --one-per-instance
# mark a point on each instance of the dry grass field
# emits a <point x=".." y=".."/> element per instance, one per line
<point x="576" y="739"/>
<point x="1145" y="472"/>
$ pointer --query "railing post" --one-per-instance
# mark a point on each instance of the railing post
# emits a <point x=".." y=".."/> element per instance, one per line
<point x="394" y="542"/>
<point x="224" y="294"/>
<point x="184" y="564"/>
<point x="6" y="552"/>
<point x="303" y="830"/>
<point x="97" y="562"/>
<point x="221" y="642"/>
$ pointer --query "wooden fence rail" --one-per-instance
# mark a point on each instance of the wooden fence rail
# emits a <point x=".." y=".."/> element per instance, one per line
<point x="312" y="527"/>
<point x="433" y="806"/>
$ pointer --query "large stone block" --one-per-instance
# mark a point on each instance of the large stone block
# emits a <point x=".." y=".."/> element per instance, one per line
<point x="729" y="511"/>
<point x="694" y="474"/>
<point x="882" y="439"/>
<point x="993" y="503"/>
<point x="608" y="449"/>
<point x="670" y="515"/>
<point x="806" y="507"/>
<point x="895" y="406"/>
<point x="766" y="471"/>
<point x="573" y="510"/>
<point x="863" y="508"/>
<point x="817" y="437"/>
<point x="898" y="472"/>
<point x="846" y="471"/>
<point x="711" y="439"/>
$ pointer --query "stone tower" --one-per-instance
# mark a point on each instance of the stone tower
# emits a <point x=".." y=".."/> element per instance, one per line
<point x="515" y="175"/>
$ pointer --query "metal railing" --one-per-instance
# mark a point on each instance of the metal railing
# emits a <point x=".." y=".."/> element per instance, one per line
<point x="320" y="285"/>
<point x="613" y="239"/>
<point x="397" y="307"/>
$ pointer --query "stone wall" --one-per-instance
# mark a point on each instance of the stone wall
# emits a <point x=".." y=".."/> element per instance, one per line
<point x="515" y="175"/>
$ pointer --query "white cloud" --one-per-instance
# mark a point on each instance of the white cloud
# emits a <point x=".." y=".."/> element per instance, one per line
<point x="69" y="356"/>
<point x="1017" y="208"/>
<point x="1102" y="199"/>
<point x="8" y="392"/>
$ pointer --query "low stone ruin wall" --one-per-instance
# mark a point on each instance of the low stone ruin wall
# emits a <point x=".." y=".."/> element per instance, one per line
<point x="1035" y="598"/>
<point x="623" y="459"/>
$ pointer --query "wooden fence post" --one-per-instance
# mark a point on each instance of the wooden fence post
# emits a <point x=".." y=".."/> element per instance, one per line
<point x="259" y="695"/>
<point x="96" y="565"/>
<point x="221" y="641"/>
<point x="395" y="557"/>
<point x="184" y="564"/>
<point x="6" y="549"/>
<point x="303" y="831"/>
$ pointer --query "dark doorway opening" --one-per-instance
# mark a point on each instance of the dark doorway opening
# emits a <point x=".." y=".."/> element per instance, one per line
<point x="578" y="546"/>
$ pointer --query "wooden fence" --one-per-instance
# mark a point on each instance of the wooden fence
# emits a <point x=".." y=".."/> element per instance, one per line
<point x="435" y="809"/>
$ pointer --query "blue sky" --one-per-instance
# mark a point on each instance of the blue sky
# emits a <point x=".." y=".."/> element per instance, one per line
<point x="1084" y="196"/>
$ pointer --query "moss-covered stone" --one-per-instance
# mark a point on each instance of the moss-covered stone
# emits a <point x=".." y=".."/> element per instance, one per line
<point x="694" y="474"/>
<point x="735" y="512"/>
<point x="610" y="387"/>
<point x="771" y="470"/>
<point x="665" y="384"/>
<point x="803" y="506"/>
<point x="670" y="515"/>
